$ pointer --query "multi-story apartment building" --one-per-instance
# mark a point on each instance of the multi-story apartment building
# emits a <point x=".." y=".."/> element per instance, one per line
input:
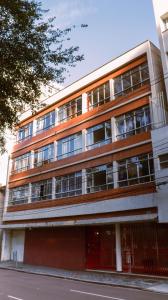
<point x="160" y="132"/>
<point x="82" y="192"/>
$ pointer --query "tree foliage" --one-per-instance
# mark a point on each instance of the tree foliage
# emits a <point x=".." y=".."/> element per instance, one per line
<point x="32" y="52"/>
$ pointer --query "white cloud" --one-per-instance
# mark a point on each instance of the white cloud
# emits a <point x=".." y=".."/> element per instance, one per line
<point x="69" y="12"/>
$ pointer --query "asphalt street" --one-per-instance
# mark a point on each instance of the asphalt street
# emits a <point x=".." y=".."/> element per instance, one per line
<point x="23" y="286"/>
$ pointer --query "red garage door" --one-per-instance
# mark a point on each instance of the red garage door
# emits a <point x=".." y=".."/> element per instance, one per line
<point x="56" y="247"/>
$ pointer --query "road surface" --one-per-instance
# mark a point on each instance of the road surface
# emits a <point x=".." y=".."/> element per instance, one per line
<point x="23" y="286"/>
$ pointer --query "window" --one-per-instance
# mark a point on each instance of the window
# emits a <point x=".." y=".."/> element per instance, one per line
<point x="99" y="135"/>
<point x="135" y="170"/>
<point x="69" y="185"/>
<point x="133" y="122"/>
<point x="69" y="146"/>
<point x="25" y="132"/>
<point x="99" y="96"/>
<point x="21" y="163"/>
<point x="45" y="122"/>
<point x="70" y="110"/>
<point x="44" y="155"/>
<point x="99" y="178"/>
<point x="19" y="195"/>
<point x="163" y="158"/>
<point x="165" y="22"/>
<point x="131" y="80"/>
<point x="41" y="190"/>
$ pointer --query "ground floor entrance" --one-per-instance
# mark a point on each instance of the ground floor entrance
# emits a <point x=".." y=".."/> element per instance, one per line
<point x="131" y="247"/>
<point x="100" y="247"/>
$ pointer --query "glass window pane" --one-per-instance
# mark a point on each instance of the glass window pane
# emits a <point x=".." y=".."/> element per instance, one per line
<point x="136" y="76"/>
<point x="144" y="72"/>
<point x="118" y="85"/>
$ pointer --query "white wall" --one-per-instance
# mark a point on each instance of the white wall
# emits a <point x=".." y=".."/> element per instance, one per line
<point x="160" y="146"/>
<point x="161" y="9"/>
<point x="17" y="245"/>
<point x="12" y="243"/>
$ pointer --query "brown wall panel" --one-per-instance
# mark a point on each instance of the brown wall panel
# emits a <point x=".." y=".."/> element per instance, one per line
<point x="56" y="247"/>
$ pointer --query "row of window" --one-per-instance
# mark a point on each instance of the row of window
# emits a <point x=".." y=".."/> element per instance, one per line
<point x="123" y="84"/>
<point x="126" y="125"/>
<point x="129" y="171"/>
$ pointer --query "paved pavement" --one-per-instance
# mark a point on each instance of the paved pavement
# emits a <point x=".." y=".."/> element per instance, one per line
<point x="25" y="286"/>
<point x="148" y="283"/>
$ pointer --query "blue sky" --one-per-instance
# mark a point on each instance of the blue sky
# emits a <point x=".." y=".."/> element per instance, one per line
<point x="114" y="26"/>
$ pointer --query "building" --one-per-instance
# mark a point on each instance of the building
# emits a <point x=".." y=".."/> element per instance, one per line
<point x="2" y="197"/>
<point x="160" y="132"/>
<point x="82" y="192"/>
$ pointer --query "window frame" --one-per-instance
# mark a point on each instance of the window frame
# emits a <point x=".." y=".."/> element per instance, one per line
<point x="20" y="160"/>
<point x="41" y="122"/>
<point x="65" y="181"/>
<point x="125" y="164"/>
<point x="22" y="131"/>
<point x="135" y="130"/>
<point x="63" y="110"/>
<point x="41" y="152"/>
<point x="69" y="142"/>
<point x="132" y="87"/>
<point x="90" y="132"/>
<point x="39" y="193"/>
<point x="90" y="173"/>
<point x="17" y="199"/>
<point x="91" y="94"/>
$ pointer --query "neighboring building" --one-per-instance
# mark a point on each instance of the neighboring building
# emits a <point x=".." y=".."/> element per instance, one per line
<point x="161" y="16"/>
<point x="81" y="192"/>
<point x="2" y="197"/>
<point x="160" y="132"/>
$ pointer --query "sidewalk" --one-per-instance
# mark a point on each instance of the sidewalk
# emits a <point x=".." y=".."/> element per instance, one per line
<point x="150" y="283"/>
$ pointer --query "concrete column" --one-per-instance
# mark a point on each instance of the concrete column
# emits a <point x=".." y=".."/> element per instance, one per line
<point x="84" y="183"/>
<point x="32" y="159"/>
<point x="55" y="151"/>
<point x="53" y="187"/>
<point x="115" y="174"/>
<point x="118" y="248"/>
<point x="111" y="81"/>
<point x="84" y="140"/>
<point x="56" y="116"/>
<point x="113" y="129"/>
<point x="9" y="167"/>
<point x="84" y="103"/>
<point x="30" y="193"/>
<point x="6" y="245"/>
<point x="34" y="127"/>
